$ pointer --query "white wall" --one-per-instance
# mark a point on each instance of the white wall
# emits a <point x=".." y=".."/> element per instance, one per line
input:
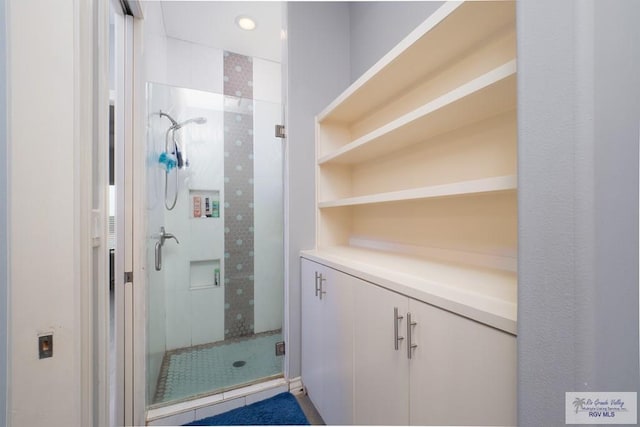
<point x="43" y="213"/>
<point x="376" y="27"/>
<point x="3" y="217"/>
<point x="579" y="114"/>
<point x="617" y="136"/>
<point x="317" y="70"/>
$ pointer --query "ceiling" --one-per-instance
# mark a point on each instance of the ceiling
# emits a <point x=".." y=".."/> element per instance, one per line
<point x="213" y="23"/>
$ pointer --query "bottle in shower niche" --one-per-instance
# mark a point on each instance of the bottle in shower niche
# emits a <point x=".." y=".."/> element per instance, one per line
<point x="215" y="208"/>
<point x="216" y="277"/>
<point x="197" y="206"/>
<point x="207" y="207"/>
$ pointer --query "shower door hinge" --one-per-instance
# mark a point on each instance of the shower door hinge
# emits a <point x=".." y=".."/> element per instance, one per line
<point x="280" y="350"/>
<point x="280" y="131"/>
<point x="128" y="277"/>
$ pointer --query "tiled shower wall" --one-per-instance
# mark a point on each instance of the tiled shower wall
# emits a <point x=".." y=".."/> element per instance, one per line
<point x="239" y="201"/>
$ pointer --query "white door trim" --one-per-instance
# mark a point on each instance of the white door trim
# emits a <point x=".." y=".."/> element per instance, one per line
<point x="123" y="339"/>
<point x="94" y="36"/>
<point x="91" y="155"/>
<point x="139" y="226"/>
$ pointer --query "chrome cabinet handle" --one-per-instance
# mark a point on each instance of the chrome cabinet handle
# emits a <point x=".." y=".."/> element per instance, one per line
<point x="322" y="292"/>
<point x="410" y="344"/>
<point x="318" y="276"/>
<point x="158" y="249"/>
<point x="396" y="321"/>
<point x="319" y="280"/>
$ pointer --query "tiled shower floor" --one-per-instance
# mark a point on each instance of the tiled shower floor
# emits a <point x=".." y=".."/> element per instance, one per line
<point x="209" y="368"/>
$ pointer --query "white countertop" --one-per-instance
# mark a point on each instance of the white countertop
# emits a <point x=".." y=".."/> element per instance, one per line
<point x="486" y="295"/>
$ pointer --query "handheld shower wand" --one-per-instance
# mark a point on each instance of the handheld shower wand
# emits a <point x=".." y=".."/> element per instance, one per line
<point x="179" y="160"/>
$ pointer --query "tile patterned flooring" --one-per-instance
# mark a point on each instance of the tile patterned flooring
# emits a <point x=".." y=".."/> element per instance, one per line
<point x="209" y="368"/>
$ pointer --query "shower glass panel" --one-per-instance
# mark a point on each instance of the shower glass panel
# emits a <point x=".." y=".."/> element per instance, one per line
<point x="215" y="280"/>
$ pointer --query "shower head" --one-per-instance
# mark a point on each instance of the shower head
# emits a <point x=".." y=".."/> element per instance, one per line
<point x="197" y="120"/>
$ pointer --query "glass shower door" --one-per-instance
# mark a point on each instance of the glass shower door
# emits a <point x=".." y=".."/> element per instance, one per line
<point x="215" y="252"/>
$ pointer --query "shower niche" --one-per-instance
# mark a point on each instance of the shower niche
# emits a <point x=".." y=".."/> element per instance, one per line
<point x="204" y="274"/>
<point x="204" y="204"/>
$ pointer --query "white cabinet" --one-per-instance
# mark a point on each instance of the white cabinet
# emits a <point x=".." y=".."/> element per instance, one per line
<point x="460" y="372"/>
<point x="311" y="339"/>
<point x="327" y="341"/>
<point x="381" y="369"/>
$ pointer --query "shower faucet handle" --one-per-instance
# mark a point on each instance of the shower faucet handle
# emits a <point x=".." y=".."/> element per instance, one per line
<point x="164" y="236"/>
<point x="158" y="249"/>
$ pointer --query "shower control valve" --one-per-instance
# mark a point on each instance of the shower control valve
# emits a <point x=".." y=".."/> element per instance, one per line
<point x="164" y="236"/>
<point x="158" y="249"/>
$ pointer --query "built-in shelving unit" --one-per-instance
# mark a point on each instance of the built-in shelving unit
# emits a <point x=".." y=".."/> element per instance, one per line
<point x="481" y="98"/>
<point x="417" y="162"/>
<point x="477" y="186"/>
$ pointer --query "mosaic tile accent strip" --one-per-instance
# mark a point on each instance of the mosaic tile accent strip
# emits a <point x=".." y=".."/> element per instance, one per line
<point x="238" y="190"/>
<point x="212" y="368"/>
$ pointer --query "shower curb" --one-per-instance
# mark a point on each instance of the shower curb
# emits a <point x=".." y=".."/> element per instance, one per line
<point x="184" y="412"/>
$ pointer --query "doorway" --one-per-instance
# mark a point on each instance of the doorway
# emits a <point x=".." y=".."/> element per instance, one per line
<point x="199" y="230"/>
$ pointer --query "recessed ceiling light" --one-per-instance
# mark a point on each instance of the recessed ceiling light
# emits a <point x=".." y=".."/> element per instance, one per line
<point x="246" y="23"/>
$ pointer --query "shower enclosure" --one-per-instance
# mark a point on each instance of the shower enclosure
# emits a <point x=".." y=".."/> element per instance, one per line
<point x="214" y="243"/>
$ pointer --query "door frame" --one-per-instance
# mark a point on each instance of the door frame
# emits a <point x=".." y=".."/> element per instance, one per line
<point x="125" y="407"/>
<point x="118" y="387"/>
<point x="135" y="404"/>
<point x="139" y="223"/>
<point x="91" y="110"/>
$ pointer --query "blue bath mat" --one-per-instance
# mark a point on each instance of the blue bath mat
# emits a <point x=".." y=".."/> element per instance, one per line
<point x="282" y="409"/>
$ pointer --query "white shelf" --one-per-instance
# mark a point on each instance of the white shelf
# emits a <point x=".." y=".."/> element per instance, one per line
<point x="437" y="109"/>
<point x="486" y="96"/>
<point x="458" y="26"/>
<point x="476" y="186"/>
<point x="485" y="295"/>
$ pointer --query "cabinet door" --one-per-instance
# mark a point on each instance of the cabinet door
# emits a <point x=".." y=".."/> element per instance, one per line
<point x="381" y="372"/>
<point x="312" y="347"/>
<point x="327" y="341"/>
<point x="462" y="372"/>
<point x="337" y="348"/>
